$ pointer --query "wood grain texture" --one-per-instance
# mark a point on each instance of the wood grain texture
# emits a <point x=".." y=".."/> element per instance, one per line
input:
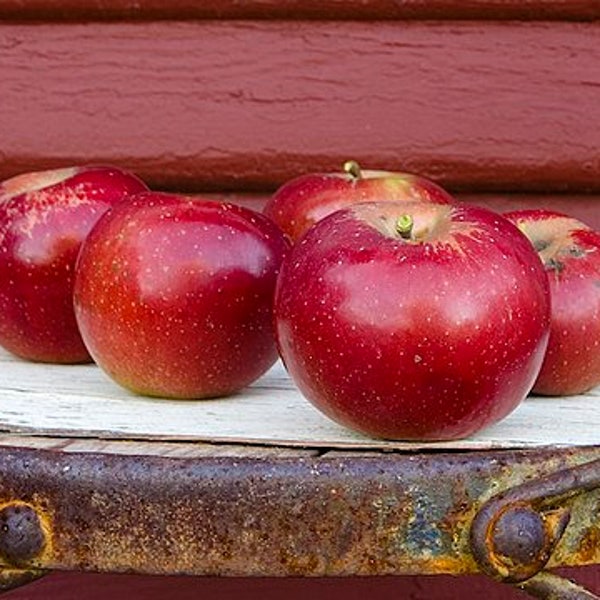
<point x="77" y="10"/>
<point x="151" y="448"/>
<point x="242" y="105"/>
<point x="80" y="401"/>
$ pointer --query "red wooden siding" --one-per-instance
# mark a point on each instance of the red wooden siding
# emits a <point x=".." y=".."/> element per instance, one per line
<point x="246" y="104"/>
<point x="585" y="207"/>
<point x="72" y="10"/>
<point x="72" y="586"/>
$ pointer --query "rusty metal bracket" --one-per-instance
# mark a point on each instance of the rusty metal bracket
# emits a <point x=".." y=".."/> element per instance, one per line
<point x="228" y="511"/>
<point x="515" y="533"/>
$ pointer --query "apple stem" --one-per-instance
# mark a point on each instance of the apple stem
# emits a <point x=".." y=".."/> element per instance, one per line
<point x="540" y="245"/>
<point x="404" y="226"/>
<point x="554" y="265"/>
<point x="353" y="168"/>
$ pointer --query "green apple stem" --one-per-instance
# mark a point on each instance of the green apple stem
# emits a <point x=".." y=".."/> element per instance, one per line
<point x="353" y="168"/>
<point x="404" y="226"/>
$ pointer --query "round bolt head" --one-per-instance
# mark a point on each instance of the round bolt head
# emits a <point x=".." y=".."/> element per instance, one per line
<point x="519" y="536"/>
<point x="21" y="535"/>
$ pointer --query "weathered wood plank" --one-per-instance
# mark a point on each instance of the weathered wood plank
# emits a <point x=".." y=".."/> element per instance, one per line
<point x="80" y="401"/>
<point x="73" y="10"/>
<point x="245" y="105"/>
<point x="150" y="448"/>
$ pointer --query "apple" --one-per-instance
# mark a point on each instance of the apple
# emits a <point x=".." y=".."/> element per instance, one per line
<point x="174" y="295"/>
<point x="570" y="253"/>
<point x="44" y="217"/>
<point x="301" y="202"/>
<point x="413" y="321"/>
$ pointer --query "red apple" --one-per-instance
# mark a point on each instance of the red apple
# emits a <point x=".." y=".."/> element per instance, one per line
<point x="174" y="295"/>
<point x="44" y="217"/>
<point x="413" y="321"/>
<point x="570" y="253"/>
<point x="303" y="201"/>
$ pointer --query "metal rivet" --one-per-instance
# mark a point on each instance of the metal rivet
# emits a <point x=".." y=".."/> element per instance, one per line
<point x="21" y="535"/>
<point x="519" y="537"/>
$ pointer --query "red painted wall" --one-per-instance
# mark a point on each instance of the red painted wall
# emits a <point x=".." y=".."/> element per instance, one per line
<point x="243" y="105"/>
<point x="63" y="586"/>
<point x="107" y="10"/>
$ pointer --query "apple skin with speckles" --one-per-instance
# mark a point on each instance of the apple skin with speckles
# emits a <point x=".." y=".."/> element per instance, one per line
<point x="174" y="295"/>
<point x="430" y="332"/>
<point x="44" y="217"/>
<point x="570" y="253"/>
<point x="301" y="202"/>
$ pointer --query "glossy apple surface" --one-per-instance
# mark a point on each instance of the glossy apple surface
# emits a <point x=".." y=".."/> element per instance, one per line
<point x="174" y="295"/>
<point x="301" y="202"/>
<point x="413" y="321"/>
<point x="570" y="253"/>
<point x="44" y="217"/>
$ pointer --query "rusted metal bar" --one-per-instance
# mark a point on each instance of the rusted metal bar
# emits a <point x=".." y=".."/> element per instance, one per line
<point x="335" y="514"/>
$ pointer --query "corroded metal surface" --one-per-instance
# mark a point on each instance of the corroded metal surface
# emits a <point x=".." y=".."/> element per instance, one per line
<point x="14" y="578"/>
<point x="335" y="514"/>
<point x="516" y="532"/>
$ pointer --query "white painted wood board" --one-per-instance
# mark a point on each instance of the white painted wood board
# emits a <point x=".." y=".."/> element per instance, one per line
<point x="80" y="401"/>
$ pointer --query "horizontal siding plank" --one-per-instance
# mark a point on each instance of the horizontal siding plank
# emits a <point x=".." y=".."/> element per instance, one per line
<point x="102" y="586"/>
<point x="585" y="207"/>
<point x="245" y="105"/>
<point x="78" y="10"/>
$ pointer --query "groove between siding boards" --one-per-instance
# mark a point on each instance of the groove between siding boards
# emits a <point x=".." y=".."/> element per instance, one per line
<point x="75" y="10"/>
<point x="245" y="105"/>
<point x="583" y="207"/>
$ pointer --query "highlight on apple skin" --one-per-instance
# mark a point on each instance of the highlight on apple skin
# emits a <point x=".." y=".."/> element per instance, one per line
<point x="570" y="253"/>
<point x="301" y="202"/>
<point x="44" y="217"/>
<point x="174" y="295"/>
<point x="413" y="321"/>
